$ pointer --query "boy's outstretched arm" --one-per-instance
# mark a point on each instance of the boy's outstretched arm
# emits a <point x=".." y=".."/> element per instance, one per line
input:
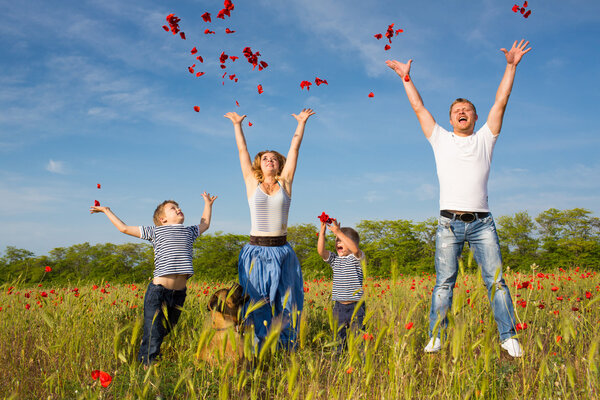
<point x="289" y="169"/>
<point x="349" y="243"/>
<point x="321" y="243"/>
<point x="207" y="213"/>
<point x="425" y="118"/>
<point x="130" y="230"/>
<point x="513" y="57"/>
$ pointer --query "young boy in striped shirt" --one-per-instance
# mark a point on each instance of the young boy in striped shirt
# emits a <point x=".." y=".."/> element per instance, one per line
<point x="347" y="288"/>
<point x="173" y="250"/>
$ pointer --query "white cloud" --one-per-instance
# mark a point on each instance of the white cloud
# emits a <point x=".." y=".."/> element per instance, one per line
<point x="56" y="167"/>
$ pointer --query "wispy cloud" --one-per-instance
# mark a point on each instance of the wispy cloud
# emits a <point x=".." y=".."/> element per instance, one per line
<point x="56" y="167"/>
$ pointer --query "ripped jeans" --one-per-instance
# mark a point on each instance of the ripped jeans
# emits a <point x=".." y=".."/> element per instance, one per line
<point x="483" y="240"/>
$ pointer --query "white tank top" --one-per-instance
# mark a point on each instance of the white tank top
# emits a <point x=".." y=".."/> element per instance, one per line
<point x="269" y="214"/>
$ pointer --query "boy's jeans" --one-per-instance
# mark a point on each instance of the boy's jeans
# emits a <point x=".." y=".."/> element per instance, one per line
<point x="483" y="241"/>
<point x="343" y="315"/>
<point x="156" y="326"/>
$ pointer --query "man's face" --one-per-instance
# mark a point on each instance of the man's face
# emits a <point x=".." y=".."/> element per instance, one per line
<point x="463" y="118"/>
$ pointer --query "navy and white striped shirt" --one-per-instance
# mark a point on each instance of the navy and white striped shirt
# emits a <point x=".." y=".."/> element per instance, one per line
<point x="173" y="247"/>
<point x="269" y="214"/>
<point x="347" y="277"/>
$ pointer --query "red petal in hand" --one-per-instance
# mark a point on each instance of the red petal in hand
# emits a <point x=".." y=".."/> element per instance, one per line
<point x="98" y="185"/>
<point x="199" y="58"/>
<point x="198" y="74"/>
<point x="250" y="123"/>
<point x="515" y="8"/>
<point x="236" y="103"/>
<point x="387" y="47"/>
<point x="371" y="94"/>
<point x="206" y="17"/>
<point x="182" y="35"/>
<point x="233" y="58"/>
<point x="166" y="28"/>
<point x="196" y="108"/>
<point x="194" y="50"/>
<point x="527" y="14"/>
<point x="406" y="78"/>
<point x="227" y="30"/>
<point x="96" y="203"/>
<point x="260" y="91"/>
<point x="378" y="36"/>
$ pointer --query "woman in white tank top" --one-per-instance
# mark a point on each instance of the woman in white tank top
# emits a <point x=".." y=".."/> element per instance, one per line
<point x="268" y="268"/>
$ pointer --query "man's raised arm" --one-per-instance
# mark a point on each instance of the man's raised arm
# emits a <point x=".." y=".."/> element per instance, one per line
<point x="425" y="118"/>
<point x="513" y="57"/>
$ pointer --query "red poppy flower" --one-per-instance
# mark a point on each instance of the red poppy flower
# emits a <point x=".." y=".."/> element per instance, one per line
<point x="378" y="36"/>
<point x="406" y="78"/>
<point x="233" y="58"/>
<point x="588" y="295"/>
<point x="527" y="14"/>
<point x="182" y="34"/>
<point x="236" y="103"/>
<point x="206" y="17"/>
<point x="515" y="8"/>
<point x="558" y="338"/>
<point x="320" y="81"/>
<point x="559" y="298"/>
<point x="208" y="31"/>
<point x="350" y="370"/>
<point x="105" y="378"/>
<point x="27" y="306"/>
<point x="409" y="325"/>
<point x="387" y="47"/>
<point x="521" y="326"/>
<point x="166" y="28"/>
<point x="94" y="287"/>
<point x="575" y="308"/>
<point x="371" y="94"/>
<point x="95" y="374"/>
<point x="305" y="84"/>
<point x="554" y="288"/>
<point x="260" y="90"/>
<point x="250" y="123"/>
<point x="227" y="30"/>
<point x="194" y="50"/>
<point x="541" y="275"/>
<point x="96" y="203"/>
<point x="44" y="294"/>
<point x="49" y="269"/>
<point x="541" y="306"/>
<point x="199" y="58"/>
<point x="325" y="218"/>
<point x="197" y="108"/>
<point x="199" y="74"/>
<point x="367" y="337"/>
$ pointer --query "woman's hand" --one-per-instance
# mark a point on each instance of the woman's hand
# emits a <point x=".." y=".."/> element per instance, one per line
<point x="303" y="116"/>
<point x="401" y="69"/>
<point x="235" y="117"/>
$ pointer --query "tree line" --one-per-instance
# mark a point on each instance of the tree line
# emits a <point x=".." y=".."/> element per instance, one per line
<point x="555" y="238"/>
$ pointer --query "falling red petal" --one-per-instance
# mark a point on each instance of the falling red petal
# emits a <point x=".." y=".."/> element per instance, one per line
<point x="525" y="4"/>
<point x="305" y="84"/>
<point x="406" y="78"/>
<point x="250" y="123"/>
<point x="223" y="57"/>
<point x="194" y="50"/>
<point x="378" y="36"/>
<point x="387" y="47"/>
<point x="527" y="14"/>
<point x="522" y="10"/>
<point x="191" y="69"/>
<point x="196" y="108"/>
<point x="206" y="17"/>
<point x="399" y="31"/>
<point x="260" y="89"/>
<point x="198" y="74"/>
<point x="371" y="94"/>
<point x="236" y="103"/>
<point x="233" y="58"/>
<point x="224" y="73"/>
<point x="223" y="66"/>
<point x="515" y="8"/>
<point x="235" y="80"/>
<point x="166" y="28"/>
<point x="96" y="203"/>
<point x="319" y="81"/>
<point x="264" y="64"/>
<point x="231" y="77"/>
<point x="228" y="5"/>
<point x="208" y="31"/>
<point x="98" y="186"/>
<point x="199" y="58"/>
<point x="227" y="30"/>
<point x="182" y="35"/>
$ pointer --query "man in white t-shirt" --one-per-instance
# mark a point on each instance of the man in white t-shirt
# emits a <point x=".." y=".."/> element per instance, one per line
<point x="463" y="158"/>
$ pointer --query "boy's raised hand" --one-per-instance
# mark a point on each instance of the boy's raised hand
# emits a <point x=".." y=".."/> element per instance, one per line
<point x="335" y="226"/>
<point x="208" y="199"/>
<point x="304" y="114"/>
<point x="235" y="117"/>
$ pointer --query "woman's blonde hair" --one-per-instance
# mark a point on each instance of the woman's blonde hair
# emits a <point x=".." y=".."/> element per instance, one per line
<point x="256" y="164"/>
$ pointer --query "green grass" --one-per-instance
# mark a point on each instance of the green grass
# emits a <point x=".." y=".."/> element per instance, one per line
<point x="50" y="350"/>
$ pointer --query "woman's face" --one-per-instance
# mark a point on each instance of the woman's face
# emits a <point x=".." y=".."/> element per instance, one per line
<point x="269" y="164"/>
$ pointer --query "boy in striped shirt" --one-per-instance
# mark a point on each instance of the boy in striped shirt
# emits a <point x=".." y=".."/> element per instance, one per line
<point x="347" y="288"/>
<point x="173" y="250"/>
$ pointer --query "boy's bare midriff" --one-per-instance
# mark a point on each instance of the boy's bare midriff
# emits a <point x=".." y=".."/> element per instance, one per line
<point x="347" y="302"/>
<point x="172" y="281"/>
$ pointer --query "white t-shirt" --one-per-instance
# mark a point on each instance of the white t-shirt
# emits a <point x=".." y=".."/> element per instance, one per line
<point x="463" y="168"/>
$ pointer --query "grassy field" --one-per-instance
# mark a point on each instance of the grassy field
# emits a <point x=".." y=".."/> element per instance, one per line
<point x="53" y="341"/>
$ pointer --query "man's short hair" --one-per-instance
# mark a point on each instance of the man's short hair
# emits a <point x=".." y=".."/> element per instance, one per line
<point x="159" y="211"/>
<point x="351" y="233"/>
<point x="461" y="100"/>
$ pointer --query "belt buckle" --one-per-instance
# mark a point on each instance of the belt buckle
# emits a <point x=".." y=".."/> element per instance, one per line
<point x="467" y="217"/>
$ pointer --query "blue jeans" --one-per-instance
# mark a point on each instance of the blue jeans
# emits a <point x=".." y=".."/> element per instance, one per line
<point x="483" y="240"/>
<point x="343" y="315"/>
<point x="156" y="326"/>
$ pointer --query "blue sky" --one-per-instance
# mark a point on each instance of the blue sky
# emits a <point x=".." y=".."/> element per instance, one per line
<point x="95" y="91"/>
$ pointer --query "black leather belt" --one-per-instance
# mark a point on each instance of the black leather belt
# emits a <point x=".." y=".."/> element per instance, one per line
<point x="464" y="217"/>
<point x="269" y="241"/>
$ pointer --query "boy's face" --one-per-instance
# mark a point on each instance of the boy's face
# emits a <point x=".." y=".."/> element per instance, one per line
<point x="341" y="248"/>
<point x="171" y="214"/>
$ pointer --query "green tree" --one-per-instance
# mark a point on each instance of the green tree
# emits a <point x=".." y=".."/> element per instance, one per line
<point x="516" y="234"/>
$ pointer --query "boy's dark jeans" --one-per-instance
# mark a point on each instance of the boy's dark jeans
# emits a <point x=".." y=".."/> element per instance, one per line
<point x="156" y="326"/>
<point x="343" y="314"/>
